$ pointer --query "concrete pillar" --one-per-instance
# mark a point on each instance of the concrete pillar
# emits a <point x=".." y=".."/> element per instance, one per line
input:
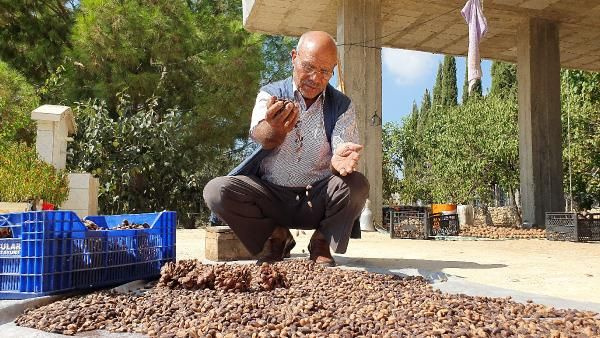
<point x="540" y="150"/>
<point x="358" y="37"/>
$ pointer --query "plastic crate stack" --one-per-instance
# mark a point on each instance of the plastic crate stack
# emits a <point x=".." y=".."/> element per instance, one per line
<point x="51" y="252"/>
<point x="570" y="226"/>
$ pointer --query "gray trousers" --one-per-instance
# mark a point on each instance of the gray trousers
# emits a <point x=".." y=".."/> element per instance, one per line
<point x="253" y="208"/>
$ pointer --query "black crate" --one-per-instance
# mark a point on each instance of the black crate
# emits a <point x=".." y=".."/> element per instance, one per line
<point x="409" y="224"/>
<point x="443" y="225"/>
<point x="388" y="209"/>
<point x="570" y="226"/>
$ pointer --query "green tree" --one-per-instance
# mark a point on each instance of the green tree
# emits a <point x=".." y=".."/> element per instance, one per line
<point x="480" y="149"/>
<point x="458" y="158"/>
<point x="392" y="162"/>
<point x="465" y="95"/>
<point x="198" y="58"/>
<point x="415" y="110"/>
<point x="425" y="103"/>
<point x="581" y="139"/>
<point x="504" y="79"/>
<point x="449" y="89"/>
<point x="276" y="55"/>
<point x="34" y="34"/>
<point x="17" y="100"/>
<point x="436" y="102"/>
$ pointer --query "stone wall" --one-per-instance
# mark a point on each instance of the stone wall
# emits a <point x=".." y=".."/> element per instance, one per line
<point x="497" y="216"/>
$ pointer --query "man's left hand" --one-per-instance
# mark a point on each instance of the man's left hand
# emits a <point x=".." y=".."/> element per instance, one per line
<point x="345" y="158"/>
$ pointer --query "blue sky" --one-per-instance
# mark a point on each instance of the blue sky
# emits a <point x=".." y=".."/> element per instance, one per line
<point x="406" y="74"/>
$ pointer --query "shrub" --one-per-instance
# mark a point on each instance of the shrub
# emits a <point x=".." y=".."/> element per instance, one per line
<point x="24" y="177"/>
<point x="142" y="160"/>
<point x="17" y="100"/>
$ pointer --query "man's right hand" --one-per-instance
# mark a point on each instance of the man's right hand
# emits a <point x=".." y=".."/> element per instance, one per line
<point x="282" y="119"/>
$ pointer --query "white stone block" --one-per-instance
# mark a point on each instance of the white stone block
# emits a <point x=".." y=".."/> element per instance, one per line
<point x="78" y="197"/>
<point x="83" y="195"/>
<point x="79" y="180"/>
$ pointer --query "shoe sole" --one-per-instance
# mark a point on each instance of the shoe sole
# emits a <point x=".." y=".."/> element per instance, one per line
<point x="326" y="264"/>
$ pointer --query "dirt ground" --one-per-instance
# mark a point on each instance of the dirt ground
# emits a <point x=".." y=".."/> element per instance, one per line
<point x="556" y="269"/>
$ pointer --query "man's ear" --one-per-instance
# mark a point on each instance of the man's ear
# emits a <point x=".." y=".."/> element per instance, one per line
<point x="293" y="54"/>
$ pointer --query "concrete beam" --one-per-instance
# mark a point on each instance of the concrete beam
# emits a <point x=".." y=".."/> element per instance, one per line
<point x="358" y="37"/>
<point x="540" y="149"/>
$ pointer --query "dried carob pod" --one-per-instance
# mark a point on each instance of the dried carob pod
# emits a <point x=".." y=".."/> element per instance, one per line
<point x="272" y="277"/>
<point x="181" y="273"/>
<point x="285" y="103"/>
<point x="199" y="278"/>
<point x="5" y="232"/>
<point x="126" y="225"/>
<point x="92" y="226"/>
<point x="234" y="278"/>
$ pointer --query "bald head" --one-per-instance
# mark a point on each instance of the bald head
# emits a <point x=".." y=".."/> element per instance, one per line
<point x="317" y="42"/>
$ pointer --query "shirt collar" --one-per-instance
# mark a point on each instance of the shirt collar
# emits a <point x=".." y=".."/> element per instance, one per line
<point x="321" y="96"/>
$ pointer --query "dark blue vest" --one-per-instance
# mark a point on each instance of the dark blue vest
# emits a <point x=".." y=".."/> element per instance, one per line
<point x="336" y="103"/>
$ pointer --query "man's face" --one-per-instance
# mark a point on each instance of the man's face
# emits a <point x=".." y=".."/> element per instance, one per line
<point x="312" y="72"/>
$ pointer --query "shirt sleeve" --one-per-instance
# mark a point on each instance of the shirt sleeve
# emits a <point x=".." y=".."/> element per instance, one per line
<point x="346" y="129"/>
<point x="260" y="109"/>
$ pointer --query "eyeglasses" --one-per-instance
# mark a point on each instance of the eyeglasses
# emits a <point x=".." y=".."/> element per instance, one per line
<point x="307" y="67"/>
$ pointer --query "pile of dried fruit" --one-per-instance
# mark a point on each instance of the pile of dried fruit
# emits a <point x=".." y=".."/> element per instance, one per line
<point x="125" y="225"/>
<point x="189" y="274"/>
<point x="193" y="275"/>
<point x="271" y="277"/>
<point x="319" y="302"/>
<point x="502" y="232"/>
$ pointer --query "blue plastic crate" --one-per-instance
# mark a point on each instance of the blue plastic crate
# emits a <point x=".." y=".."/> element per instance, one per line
<point x="53" y="251"/>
